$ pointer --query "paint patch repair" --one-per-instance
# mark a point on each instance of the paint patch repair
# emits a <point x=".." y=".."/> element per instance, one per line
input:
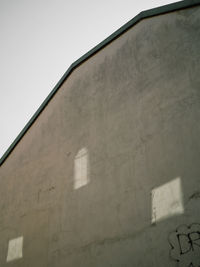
<point x="81" y="168"/>
<point x="15" y="247"/>
<point x="167" y="200"/>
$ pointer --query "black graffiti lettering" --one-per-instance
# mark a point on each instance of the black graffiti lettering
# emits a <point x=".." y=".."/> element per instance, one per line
<point x="194" y="237"/>
<point x="188" y="242"/>
<point x="184" y="243"/>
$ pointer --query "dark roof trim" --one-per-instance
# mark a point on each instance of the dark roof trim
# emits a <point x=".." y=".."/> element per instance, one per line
<point x="142" y="15"/>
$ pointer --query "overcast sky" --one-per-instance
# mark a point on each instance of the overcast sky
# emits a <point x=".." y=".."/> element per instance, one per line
<point x="39" y="39"/>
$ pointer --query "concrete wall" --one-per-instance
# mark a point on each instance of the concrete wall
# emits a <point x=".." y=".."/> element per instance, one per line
<point x="109" y="174"/>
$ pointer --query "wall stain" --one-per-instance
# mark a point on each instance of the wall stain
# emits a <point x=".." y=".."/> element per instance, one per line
<point x="196" y="195"/>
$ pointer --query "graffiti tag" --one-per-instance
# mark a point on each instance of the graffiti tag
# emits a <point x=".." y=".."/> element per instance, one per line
<point x="185" y="245"/>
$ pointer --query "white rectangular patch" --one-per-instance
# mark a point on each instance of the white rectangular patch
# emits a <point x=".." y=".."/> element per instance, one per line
<point x="81" y="167"/>
<point x="167" y="200"/>
<point x="15" y="247"/>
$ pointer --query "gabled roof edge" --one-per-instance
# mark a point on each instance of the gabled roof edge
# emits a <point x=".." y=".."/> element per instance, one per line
<point x="142" y="15"/>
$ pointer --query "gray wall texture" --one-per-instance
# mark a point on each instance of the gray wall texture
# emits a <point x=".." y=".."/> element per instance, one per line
<point x="109" y="175"/>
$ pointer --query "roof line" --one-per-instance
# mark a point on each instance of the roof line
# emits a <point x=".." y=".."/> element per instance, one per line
<point x="142" y="15"/>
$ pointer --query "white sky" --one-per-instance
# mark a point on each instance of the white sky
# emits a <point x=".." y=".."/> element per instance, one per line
<point x="39" y="39"/>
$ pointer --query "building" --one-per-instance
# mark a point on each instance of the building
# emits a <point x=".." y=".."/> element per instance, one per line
<point x="106" y="173"/>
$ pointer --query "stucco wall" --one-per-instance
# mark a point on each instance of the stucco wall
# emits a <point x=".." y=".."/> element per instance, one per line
<point x="131" y="113"/>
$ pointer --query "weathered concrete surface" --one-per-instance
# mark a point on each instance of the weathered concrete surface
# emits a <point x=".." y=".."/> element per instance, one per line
<point x="134" y="108"/>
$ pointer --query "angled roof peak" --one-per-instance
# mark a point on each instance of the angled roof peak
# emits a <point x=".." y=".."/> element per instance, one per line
<point x="142" y="15"/>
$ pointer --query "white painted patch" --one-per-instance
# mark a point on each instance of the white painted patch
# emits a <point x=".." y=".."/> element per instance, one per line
<point x="15" y="247"/>
<point x="167" y="200"/>
<point x="81" y="167"/>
